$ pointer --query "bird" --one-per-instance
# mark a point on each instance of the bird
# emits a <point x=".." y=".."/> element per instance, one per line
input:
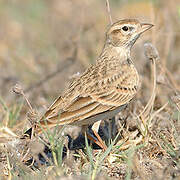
<point x="105" y="87"/>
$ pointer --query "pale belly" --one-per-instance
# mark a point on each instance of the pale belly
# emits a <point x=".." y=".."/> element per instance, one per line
<point x="100" y="116"/>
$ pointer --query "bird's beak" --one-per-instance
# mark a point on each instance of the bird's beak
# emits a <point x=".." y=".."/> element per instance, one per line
<point x="145" y="27"/>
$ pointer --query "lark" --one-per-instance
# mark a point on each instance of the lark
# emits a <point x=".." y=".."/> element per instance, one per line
<point x="105" y="87"/>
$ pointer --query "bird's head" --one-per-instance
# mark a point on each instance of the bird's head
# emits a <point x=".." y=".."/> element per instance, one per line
<point x="124" y="33"/>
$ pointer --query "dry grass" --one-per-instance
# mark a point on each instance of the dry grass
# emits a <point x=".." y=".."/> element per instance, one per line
<point x="42" y="45"/>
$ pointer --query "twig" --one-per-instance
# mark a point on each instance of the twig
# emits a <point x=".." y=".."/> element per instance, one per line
<point x="176" y="100"/>
<point x="67" y="62"/>
<point x="60" y="69"/>
<point x="152" y="54"/>
<point x="172" y="83"/>
<point x="18" y="90"/>
<point x="109" y="11"/>
<point x="32" y="113"/>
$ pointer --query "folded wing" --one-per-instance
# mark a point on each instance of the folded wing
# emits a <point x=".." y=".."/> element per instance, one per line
<point x="98" y="96"/>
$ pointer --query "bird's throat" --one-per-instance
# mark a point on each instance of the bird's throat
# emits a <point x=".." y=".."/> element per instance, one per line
<point x="120" y="53"/>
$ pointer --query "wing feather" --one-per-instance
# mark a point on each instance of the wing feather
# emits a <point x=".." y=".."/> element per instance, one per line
<point x="88" y="97"/>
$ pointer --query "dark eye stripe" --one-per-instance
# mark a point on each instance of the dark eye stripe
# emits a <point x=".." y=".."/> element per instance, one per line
<point x="116" y="31"/>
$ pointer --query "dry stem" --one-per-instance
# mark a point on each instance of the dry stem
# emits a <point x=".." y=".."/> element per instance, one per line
<point x="109" y="11"/>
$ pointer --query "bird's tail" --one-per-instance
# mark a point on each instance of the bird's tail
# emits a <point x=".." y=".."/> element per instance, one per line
<point x="43" y="124"/>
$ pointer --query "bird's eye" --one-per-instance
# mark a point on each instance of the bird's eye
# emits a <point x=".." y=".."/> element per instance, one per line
<point x="125" y="28"/>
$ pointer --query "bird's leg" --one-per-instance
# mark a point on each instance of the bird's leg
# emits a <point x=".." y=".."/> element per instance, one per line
<point x="96" y="141"/>
<point x="95" y="129"/>
<point x="112" y="128"/>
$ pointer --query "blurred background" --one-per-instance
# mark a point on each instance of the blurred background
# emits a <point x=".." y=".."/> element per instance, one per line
<point x="44" y="43"/>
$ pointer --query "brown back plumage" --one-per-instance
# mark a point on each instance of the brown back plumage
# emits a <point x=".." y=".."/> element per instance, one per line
<point x="104" y="86"/>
